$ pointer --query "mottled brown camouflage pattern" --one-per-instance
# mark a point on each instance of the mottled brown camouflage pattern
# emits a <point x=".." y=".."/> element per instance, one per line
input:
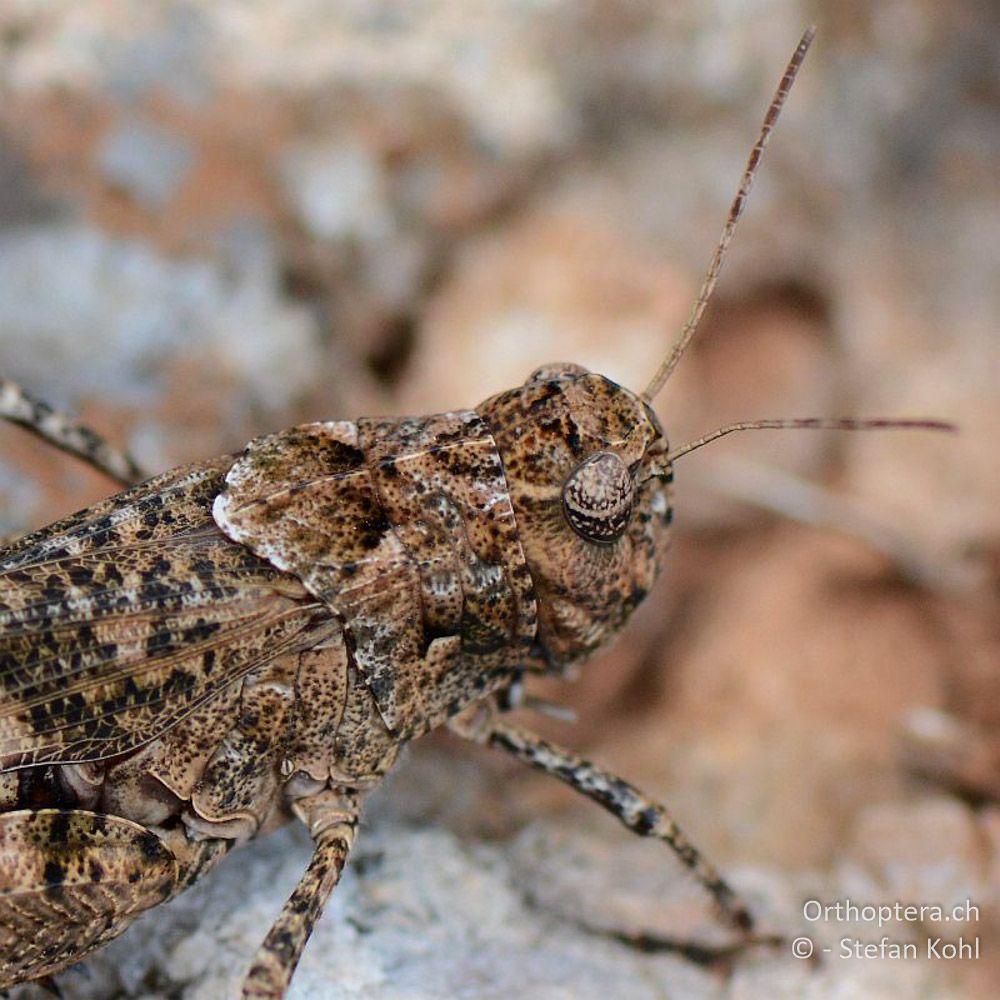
<point x="191" y="662"/>
<point x="545" y="431"/>
<point x="117" y="622"/>
<point x="403" y="527"/>
<point x="72" y="880"/>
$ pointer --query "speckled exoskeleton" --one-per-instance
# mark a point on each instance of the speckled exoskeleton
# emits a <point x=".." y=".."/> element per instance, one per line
<point x="193" y="661"/>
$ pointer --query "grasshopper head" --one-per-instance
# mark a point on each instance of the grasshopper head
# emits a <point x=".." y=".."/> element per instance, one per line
<point x="589" y="472"/>
<point x="586" y="465"/>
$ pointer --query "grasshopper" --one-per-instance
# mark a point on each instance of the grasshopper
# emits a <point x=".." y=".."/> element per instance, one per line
<point x="194" y="661"/>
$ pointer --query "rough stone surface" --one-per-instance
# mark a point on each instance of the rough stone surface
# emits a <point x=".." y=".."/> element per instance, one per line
<point x="422" y="914"/>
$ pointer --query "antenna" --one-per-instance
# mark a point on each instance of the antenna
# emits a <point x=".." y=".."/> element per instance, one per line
<point x="735" y="211"/>
<point x="813" y="423"/>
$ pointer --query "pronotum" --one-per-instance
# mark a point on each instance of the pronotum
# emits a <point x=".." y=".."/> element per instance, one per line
<point x="215" y="650"/>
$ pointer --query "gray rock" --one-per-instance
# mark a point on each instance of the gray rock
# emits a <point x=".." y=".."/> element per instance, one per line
<point x="149" y="163"/>
<point x="83" y="312"/>
<point x="423" y="915"/>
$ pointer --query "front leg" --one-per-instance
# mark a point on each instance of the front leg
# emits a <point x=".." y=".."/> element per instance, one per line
<point x="637" y="811"/>
<point x="332" y="819"/>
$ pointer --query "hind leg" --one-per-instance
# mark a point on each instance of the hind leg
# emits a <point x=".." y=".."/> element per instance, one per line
<point x="23" y="409"/>
<point x="72" y="880"/>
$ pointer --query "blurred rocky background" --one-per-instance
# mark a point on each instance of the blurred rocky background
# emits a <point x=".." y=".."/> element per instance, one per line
<point x="219" y="219"/>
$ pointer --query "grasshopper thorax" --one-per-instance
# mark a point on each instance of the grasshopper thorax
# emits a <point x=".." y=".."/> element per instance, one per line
<point x="586" y="464"/>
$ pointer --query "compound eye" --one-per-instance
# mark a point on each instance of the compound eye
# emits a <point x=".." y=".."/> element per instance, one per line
<point x="559" y="370"/>
<point x="597" y="498"/>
